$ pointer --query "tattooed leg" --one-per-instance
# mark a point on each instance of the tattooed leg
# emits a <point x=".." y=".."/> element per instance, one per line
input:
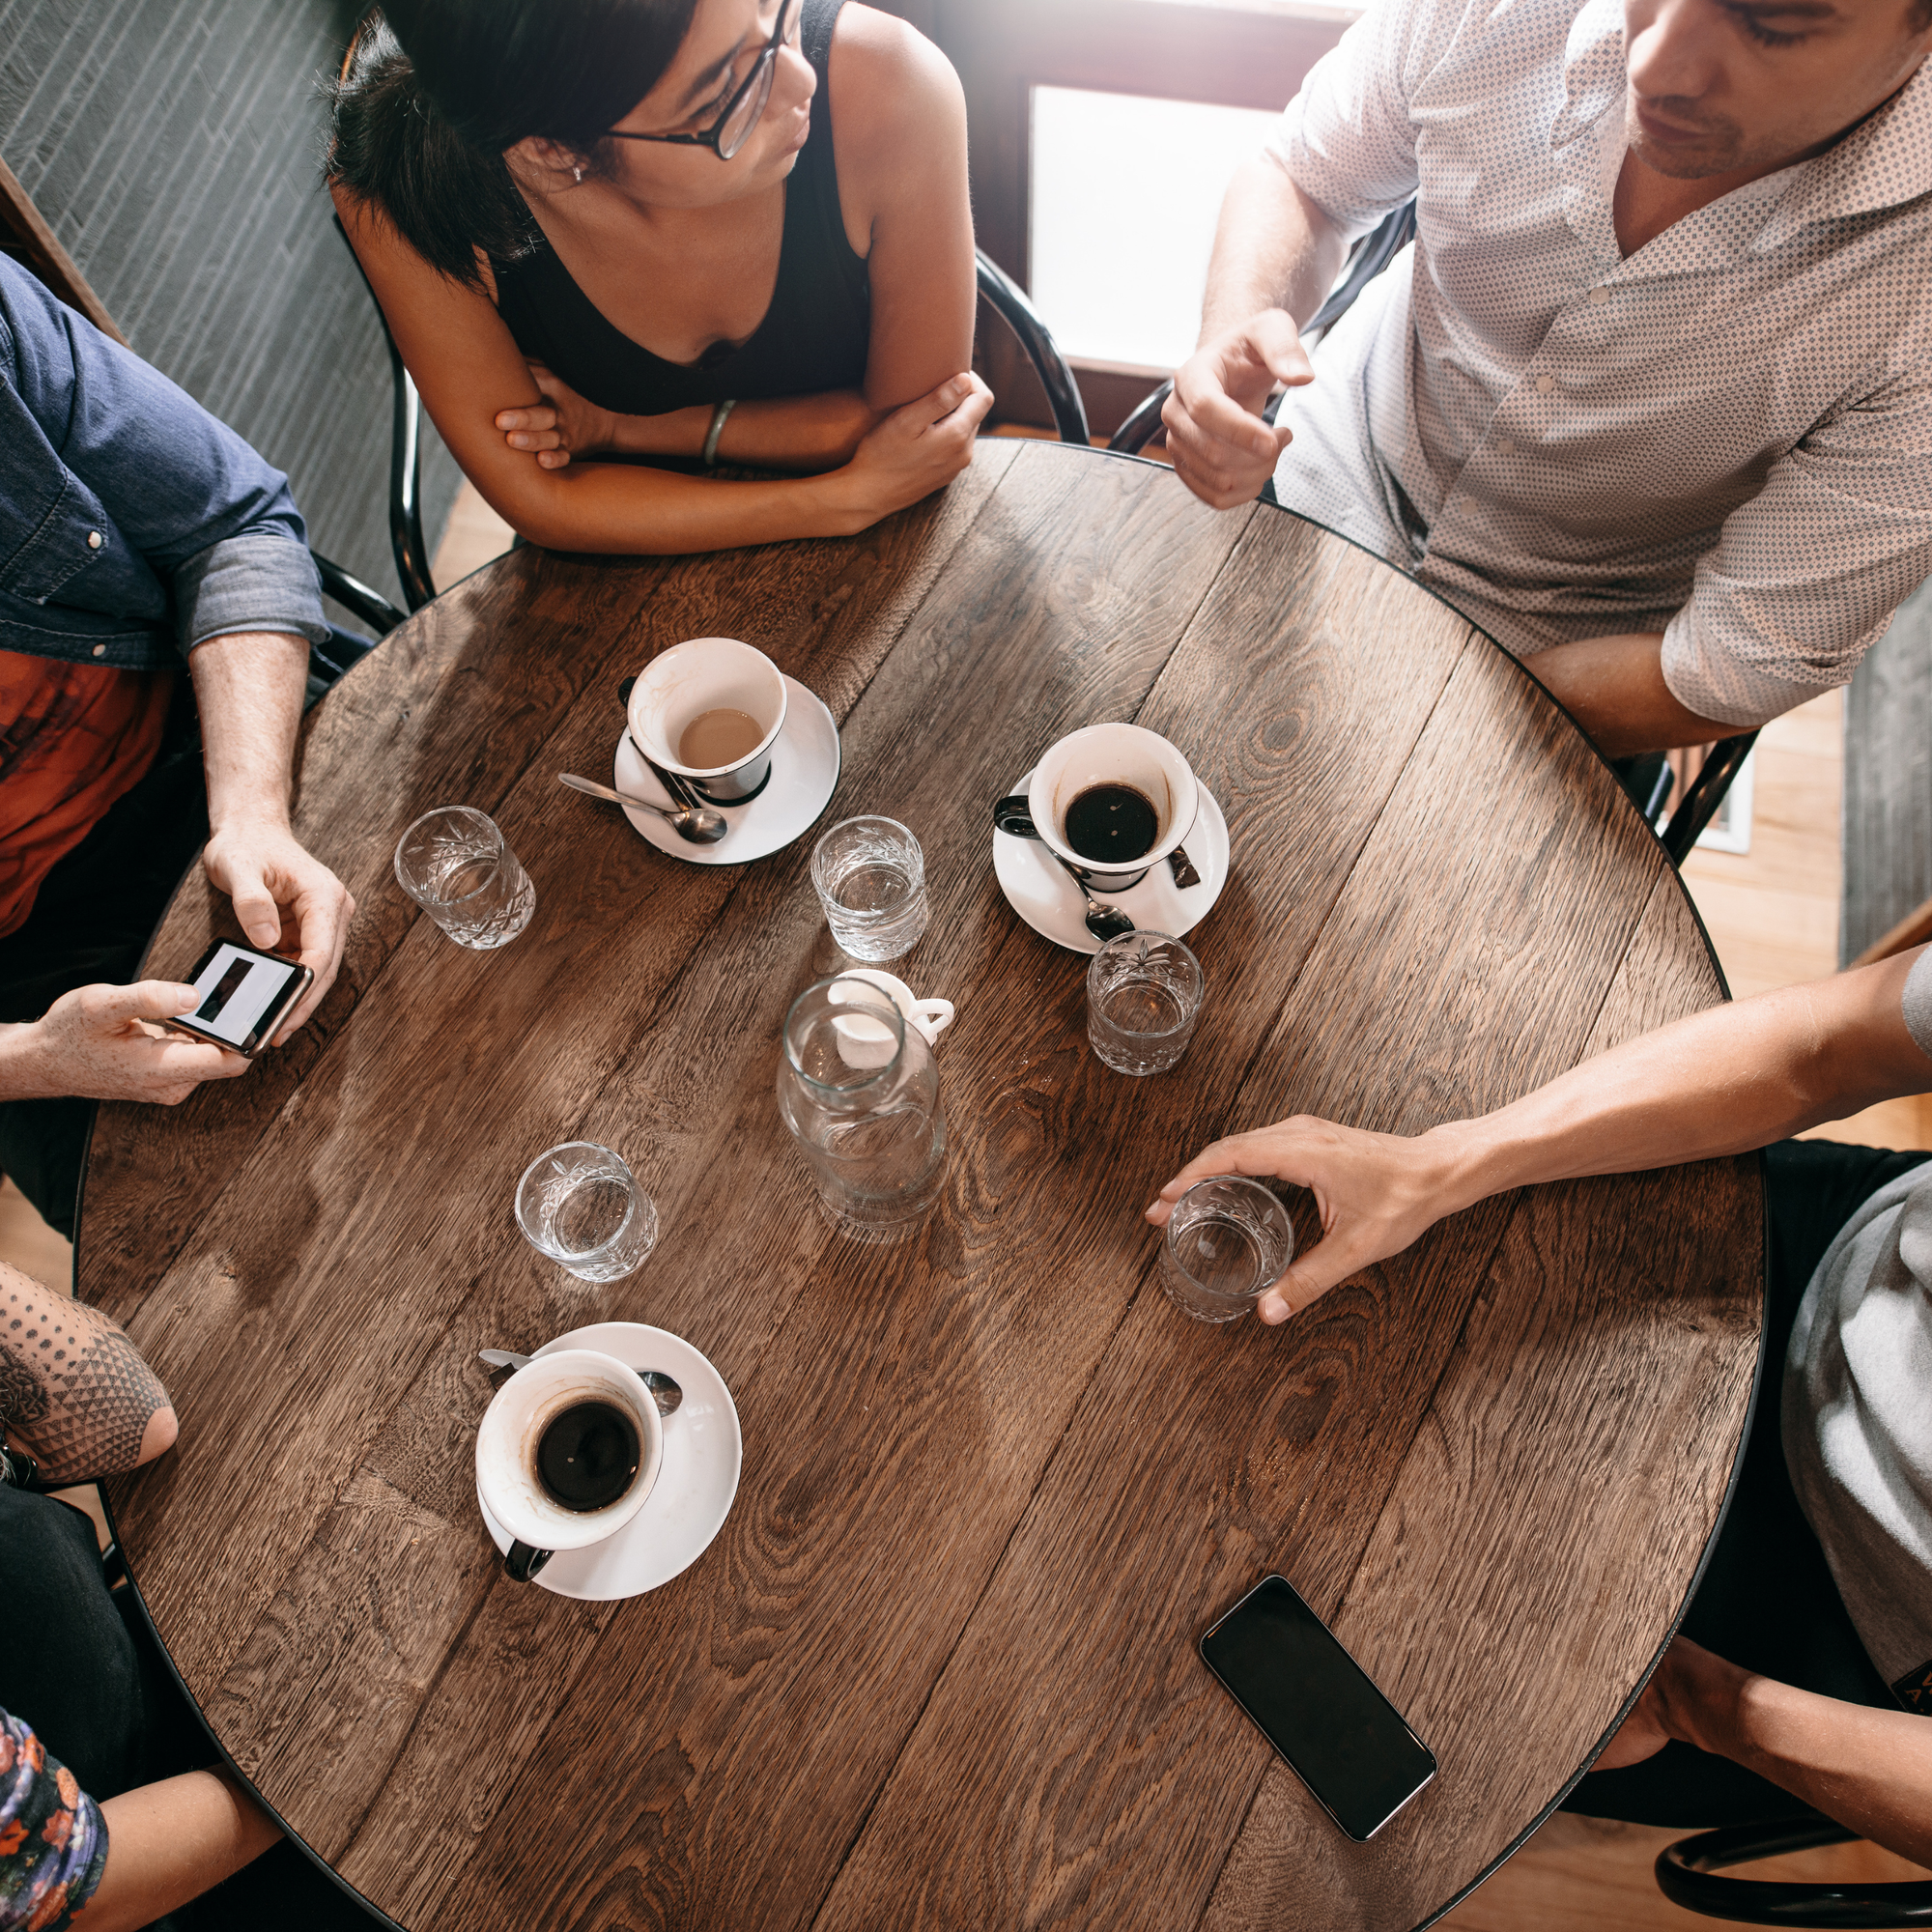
<point x="74" y="1392"/>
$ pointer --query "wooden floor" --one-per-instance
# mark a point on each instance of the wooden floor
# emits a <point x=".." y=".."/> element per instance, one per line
<point x="1773" y="916"/>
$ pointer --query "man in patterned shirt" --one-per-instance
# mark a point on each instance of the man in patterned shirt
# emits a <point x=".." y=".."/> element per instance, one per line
<point x="1649" y="397"/>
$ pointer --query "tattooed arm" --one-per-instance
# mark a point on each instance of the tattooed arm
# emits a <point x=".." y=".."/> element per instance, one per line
<point x="74" y="1392"/>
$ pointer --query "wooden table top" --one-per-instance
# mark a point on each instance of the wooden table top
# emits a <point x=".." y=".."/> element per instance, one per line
<point x="938" y="1669"/>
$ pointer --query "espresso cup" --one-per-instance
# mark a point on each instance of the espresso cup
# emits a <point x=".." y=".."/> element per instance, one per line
<point x="511" y="1436"/>
<point x="871" y="1043"/>
<point x="688" y="683"/>
<point x="1105" y="754"/>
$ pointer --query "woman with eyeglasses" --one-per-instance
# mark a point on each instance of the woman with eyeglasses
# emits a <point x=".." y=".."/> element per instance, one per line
<point x="637" y="229"/>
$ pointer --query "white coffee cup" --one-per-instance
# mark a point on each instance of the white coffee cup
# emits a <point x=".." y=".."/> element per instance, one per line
<point x="1125" y="754"/>
<point x="680" y="685"/>
<point x="507" y="1454"/>
<point x="865" y="1042"/>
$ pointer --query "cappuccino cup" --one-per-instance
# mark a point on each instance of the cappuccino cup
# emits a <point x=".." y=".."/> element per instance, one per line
<point x="1109" y="802"/>
<point x="709" y="710"/>
<point x="567" y="1454"/>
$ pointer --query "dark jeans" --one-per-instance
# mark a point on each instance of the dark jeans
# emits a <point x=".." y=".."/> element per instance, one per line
<point x="81" y="1665"/>
<point x="1768" y="1600"/>
<point x="91" y="921"/>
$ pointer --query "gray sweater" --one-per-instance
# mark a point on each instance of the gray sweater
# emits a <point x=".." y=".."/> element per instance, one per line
<point x="1857" y="1420"/>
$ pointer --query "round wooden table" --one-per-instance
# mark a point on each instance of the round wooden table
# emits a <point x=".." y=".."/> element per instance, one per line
<point x="938" y="1669"/>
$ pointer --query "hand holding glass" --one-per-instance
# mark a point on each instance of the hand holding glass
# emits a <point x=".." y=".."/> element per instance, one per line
<point x="1229" y="1241"/>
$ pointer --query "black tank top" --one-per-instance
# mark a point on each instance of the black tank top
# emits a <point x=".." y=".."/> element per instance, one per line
<point x="814" y="336"/>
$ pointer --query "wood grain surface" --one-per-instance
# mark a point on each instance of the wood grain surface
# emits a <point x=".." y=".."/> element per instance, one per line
<point x="938" y="1668"/>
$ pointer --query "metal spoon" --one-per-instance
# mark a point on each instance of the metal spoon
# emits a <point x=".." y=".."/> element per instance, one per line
<point x="1103" y="921"/>
<point x="698" y="824"/>
<point x="665" y="1392"/>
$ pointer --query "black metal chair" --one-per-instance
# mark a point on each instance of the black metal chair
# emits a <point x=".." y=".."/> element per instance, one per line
<point x="1011" y="302"/>
<point x="1689" y="1873"/>
<point x="406" y="527"/>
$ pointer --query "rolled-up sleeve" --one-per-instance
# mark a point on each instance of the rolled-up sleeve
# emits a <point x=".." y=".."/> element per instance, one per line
<point x="258" y="581"/>
<point x="1348" y="140"/>
<point x="1806" y="574"/>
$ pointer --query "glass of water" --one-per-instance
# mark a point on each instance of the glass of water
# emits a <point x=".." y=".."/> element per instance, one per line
<point x="870" y="876"/>
<point x="582" y="1205"/>
<point x="1142" y="998"/>
<point x="1229" y="1241"/>
<point x="453" y="861"/>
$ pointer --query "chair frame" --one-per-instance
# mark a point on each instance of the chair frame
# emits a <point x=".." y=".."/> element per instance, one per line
<point x="1011" y="303"/>
<point x="1689" y="1874"/>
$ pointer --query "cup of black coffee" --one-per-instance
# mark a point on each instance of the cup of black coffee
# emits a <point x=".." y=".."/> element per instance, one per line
<point x="567" y="1454"/>
<point x="1111" y="802"/>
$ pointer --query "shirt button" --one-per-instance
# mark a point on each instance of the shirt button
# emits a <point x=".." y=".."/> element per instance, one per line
<point x="100" y="650"/>
<point x="1545" y="383"/>
<point x="1599" y="296"/>
<point x="94" y="539"/>
<point x="1505" y="447"/>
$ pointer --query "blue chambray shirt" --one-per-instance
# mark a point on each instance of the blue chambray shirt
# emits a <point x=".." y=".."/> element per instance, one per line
<point x="134" y="525"/>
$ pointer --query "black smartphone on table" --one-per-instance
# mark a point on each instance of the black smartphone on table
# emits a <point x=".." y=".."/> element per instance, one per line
<point x="1318" y="1707"/>
<point x="246" y="995"/>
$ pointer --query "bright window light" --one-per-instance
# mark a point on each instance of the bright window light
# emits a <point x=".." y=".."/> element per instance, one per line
<point x="1125" y="193"/>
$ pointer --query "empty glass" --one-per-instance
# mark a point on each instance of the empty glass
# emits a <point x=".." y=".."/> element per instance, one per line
<point x="870" y="876"/>
<point x="582" y="1205"/>
<point x="1229" y="1241"/>
<point x="858" y="1087"/>
<point x="1143" y="997"/>
<point x="453" y="861"/>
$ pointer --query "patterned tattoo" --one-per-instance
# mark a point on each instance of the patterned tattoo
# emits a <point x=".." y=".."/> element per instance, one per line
<point x="74" y="1390"/>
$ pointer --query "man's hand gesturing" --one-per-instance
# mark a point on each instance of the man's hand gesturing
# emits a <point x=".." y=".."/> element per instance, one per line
<point x="1220" y="447"/>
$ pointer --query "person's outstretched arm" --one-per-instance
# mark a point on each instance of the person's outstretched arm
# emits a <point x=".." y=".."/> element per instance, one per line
<point x="170" y="1843"/>
<point x="1868" y="1768"/>
<point x="75" y="1391"/>
<point x="1722" y="1082"/>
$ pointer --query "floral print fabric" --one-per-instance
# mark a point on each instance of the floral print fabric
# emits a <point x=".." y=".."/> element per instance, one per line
<point x="53" y="1840"/>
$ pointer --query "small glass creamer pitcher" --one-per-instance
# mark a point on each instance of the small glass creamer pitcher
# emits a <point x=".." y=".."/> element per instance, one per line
<point x="859" y="1090"/>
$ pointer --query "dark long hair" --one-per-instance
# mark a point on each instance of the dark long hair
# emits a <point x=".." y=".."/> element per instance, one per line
<point x="436" y="92"/>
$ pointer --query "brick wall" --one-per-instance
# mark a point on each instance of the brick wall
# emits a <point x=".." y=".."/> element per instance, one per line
<point x="174" y="148"/>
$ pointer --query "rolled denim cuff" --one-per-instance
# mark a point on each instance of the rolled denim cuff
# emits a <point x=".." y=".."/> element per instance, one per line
<point x="255" y="582"/>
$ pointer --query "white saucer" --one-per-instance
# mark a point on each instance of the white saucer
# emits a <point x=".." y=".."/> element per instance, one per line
<point x="696" y="1479"/>
<point x="1042" y="892"/>
<point x="804" y="771"/>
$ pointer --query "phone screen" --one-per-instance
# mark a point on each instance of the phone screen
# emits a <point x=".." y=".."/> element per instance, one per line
<point x="1318" y="1707"/>
<point x="241" y="991"/>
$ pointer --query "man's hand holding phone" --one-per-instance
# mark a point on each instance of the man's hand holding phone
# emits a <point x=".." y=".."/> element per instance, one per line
<point x="287" y="901"/>
<point x="107" y="1043"/>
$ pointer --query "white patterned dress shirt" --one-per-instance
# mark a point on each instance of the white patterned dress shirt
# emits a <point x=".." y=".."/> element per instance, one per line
<point x="1725" y="437"/>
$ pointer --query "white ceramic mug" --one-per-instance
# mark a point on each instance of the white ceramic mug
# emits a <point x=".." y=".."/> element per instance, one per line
<point x="869" y="1043"/>
<point x="1122" y="754"/>
<point x="680" y="685"/>
<point x="507" y="1454"/>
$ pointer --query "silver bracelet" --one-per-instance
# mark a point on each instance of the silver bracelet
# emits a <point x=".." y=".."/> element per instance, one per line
<point x="720" y="417"/>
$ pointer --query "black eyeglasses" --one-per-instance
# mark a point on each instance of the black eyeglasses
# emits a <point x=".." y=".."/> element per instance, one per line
<point x="732" y="127"/>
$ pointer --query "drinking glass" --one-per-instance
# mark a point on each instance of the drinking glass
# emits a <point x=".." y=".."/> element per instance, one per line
<point x="1229" y="1241"/>
<point x="1142" y="998"/>
<point x="453" y="861"/>
<point x="580" y="1204"/>
<point x="870" y="876"/>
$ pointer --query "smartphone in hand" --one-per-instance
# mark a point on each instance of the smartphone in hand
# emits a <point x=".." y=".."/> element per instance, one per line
<point x="246" y="995"/>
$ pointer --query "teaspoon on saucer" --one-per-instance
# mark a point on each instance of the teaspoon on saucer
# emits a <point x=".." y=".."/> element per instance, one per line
<point x="1103" y="921"/>
<point x="696" y="823"/>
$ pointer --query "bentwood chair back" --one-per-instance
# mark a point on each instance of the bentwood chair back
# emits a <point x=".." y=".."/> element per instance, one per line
<point x="1689" y="1874"/>
<point x="1010" y="303"/>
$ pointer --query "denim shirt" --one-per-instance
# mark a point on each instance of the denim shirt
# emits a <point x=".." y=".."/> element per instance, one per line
<point x="134" y="525"/>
